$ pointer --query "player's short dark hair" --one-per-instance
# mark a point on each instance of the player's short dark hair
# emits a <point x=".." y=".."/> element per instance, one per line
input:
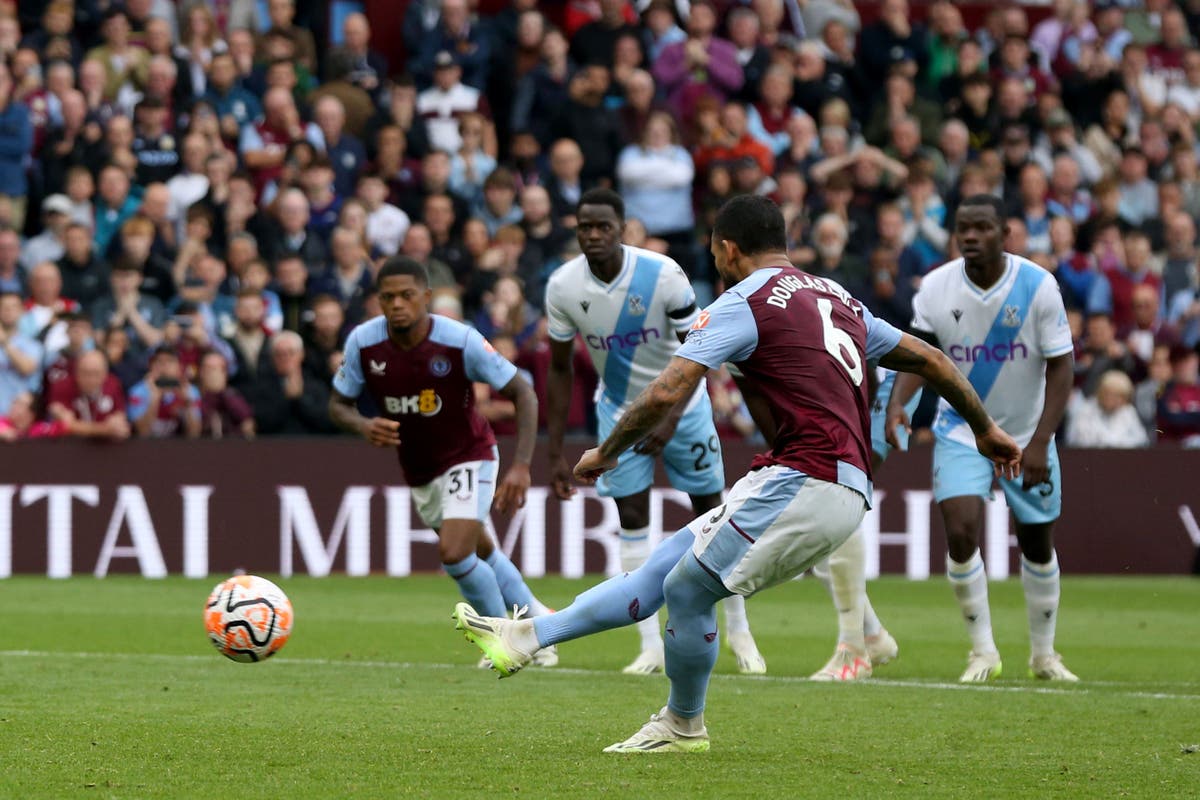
<point x="604" y="197"/>
<point x="754" y="223"/>
<point x="991" y="201"/>
<point x="402" y="265"/>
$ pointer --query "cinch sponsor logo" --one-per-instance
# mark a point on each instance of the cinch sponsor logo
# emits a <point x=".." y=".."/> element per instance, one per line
<point x="621" y="341"/>
<point x="1004" y="351"/>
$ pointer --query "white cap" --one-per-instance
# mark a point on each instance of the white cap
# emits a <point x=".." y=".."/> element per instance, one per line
<point x="59" y="203"/>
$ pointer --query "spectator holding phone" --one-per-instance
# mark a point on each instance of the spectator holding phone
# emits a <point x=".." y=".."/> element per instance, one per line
<point x="164" y="405"/>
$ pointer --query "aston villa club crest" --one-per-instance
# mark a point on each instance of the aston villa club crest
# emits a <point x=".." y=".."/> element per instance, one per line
<point x="439" y="366"/>
<point x="1012" y="317"/>
<point x="636" y="307"/>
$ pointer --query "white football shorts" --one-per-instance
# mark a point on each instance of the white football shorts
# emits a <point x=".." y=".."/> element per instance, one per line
<point x="775" y="524"/>
<point x="464" y="491"/>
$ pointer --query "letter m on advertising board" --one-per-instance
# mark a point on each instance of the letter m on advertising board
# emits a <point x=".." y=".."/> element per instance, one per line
<point x="298" y="530"/>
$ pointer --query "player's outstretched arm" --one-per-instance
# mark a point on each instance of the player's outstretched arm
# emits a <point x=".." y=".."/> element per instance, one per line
<point x="914" y="356"/>
<point x="510" y="494"/>
<point x="379" y="431"/>
<point x="559" y="385"/>
<point x="904" y="389"/>
<point x="676" y="382"/>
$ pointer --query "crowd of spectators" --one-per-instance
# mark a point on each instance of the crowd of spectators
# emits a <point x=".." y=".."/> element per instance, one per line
<point x="195" y="195"/>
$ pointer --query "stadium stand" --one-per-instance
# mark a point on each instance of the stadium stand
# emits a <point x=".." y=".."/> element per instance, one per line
<point x="182" y="179"/>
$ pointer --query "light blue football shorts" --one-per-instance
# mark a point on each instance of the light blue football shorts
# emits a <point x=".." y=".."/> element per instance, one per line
<point x="692" y="457"/>
<point x="960" y="470"/>
<point x="879" y="441"/>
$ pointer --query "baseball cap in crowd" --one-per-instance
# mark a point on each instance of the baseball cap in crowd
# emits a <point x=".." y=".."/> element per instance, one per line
<point x="443" y="59"/>
<point x="1105" y="5"/>
<point x="56" y="204"/>
<point x="1058" y="118"/>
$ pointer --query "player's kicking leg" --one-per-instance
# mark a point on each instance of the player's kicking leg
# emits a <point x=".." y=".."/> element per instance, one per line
<point x="633" y="510"/>
<point x="1036" y="511"/>
<point x="518" y="597"/>
<point x="791" y="522"/>
<point x="622" y="600"/>
<point x="694" y="464"/>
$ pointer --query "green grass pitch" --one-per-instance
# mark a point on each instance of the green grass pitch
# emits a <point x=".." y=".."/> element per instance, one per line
<point x="109" y="688"/>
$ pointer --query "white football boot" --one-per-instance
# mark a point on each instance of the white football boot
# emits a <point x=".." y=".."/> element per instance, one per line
<point x="497" y="637"/>
<point x="882" y="648"/>
<point x="662" y="734"/>
<point x="749" y="660"/>
<point x="847" y="664"/>
<point x="648" y="662"/>
<point x="981" y="667"/>
<point x="1050" y="668"/>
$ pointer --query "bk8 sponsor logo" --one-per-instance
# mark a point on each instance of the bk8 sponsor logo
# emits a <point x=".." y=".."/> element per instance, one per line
<point x="427" y="404"/>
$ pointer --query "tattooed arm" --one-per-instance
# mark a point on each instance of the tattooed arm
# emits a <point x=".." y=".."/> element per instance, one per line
<point x="916" y="357"/>
<point x="904" y="389"/>
<point x="677" y="382"/>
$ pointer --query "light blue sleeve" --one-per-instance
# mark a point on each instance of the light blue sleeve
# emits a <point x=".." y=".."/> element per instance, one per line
<point x="725" y="331"/>
<point x="1099" y="299"/>
<point x="882" y="337"/>
<point x="484" y="364"/>
<point x="249" y="140"/>
<point x="32" y="349"/>
<point x="349" y="378"/>
<point x="314" y="136"/>
<point x="1179" y="305"/>
<point x="193" y="402"/>
<point x="139" y="401"/>
<point x="777" y="142"/>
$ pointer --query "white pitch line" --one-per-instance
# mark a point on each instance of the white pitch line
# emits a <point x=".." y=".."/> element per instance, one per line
<point x="876" y="682"/>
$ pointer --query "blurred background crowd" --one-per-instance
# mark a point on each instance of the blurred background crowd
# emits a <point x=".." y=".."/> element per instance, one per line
<point x="195" y="195"/>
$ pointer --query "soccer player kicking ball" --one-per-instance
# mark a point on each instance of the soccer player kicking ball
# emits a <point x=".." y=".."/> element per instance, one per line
<point x="420" y="370"/>
<point x="803" y="343"/>
<point x="633" y="308"/>
<point x="1001" y="319"/>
